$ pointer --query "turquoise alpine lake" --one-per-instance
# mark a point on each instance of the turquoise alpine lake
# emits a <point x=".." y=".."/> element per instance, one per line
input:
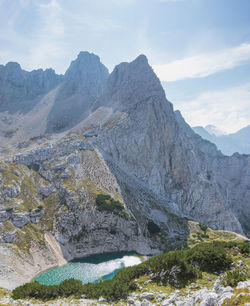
<point x="89" y="269"/>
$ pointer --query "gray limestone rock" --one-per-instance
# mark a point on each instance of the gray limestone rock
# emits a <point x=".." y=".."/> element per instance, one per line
<point x="243" y="285"/>
<point x="4" y="216"/>
<point x="9" y="237"/>
<point x="147" y="296"/>
<point x="20" y="219"/>
<point x="142" y="137"/>
<point x="47" y="190"/>
<point x="36" y="215"/>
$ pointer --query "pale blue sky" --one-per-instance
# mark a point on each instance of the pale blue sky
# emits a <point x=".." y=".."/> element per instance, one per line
<point x="200" y="49"/>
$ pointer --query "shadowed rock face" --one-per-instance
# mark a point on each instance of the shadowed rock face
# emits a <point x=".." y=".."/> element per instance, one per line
<point x="19" y="88"/>
<point x="57" y="103"/>
<point x="83" y="83"/>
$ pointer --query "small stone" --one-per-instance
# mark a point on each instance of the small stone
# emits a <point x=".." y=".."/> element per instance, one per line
<point x="161" y="297"/>
<point x="130" y="300"/>
<point x="145" y="303"/>
<point x="147" y="282"/>
<point x="241" y="294"/>
<point x="217" y="285"/>
<point x="102" y="299"/>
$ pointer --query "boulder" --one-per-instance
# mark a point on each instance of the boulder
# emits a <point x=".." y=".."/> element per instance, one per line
<point x="36" y="216"/>
<point x="9" y="237"/>
<point x="243" y="285"/>
<point x="145" y="303"/>
<point x="147" y="296"/>
<point x="4" y="216"/>
<point x="20" y="219"/>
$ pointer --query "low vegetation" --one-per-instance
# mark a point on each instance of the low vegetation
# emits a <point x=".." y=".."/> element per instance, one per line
<point x="231" y="278"/>
<point x="105" y="202"/>
<point x="176" y="268"/>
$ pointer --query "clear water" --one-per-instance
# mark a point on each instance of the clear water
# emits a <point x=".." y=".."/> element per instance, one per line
<point x="89" y="269"/>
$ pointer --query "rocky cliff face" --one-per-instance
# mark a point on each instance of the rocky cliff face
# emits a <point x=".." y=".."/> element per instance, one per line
<point x="143" y="139"/>
<point x="129" y="144"/>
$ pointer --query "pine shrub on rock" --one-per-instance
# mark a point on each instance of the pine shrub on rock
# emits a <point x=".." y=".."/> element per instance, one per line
<point x="209" y="257"/>
<point x="232" y="278"/>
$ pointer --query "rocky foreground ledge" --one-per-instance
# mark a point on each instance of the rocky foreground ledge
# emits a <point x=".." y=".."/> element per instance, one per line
<point x="191" y="296"/>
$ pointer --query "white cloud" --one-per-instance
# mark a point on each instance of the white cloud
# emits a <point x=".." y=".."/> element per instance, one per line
<point x="228" y="110"/>
<point x="204" y="64"/>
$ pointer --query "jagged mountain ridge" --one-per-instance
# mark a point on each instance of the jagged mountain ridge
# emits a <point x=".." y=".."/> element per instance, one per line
<point x="57" y="102"/>
<point x="131" y="145"/>
<point x="230" y="143"/>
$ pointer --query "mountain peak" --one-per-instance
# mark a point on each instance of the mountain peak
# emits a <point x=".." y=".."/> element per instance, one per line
<point x="142" y="59"/>
<point x="13" y="66"/>
<point x="130" y="83"/>
<point x="85" y="55"/>
<point x="86" y="66"/>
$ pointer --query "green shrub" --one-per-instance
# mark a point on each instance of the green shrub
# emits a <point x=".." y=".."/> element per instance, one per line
<point x="173" y="268"/>
<point x="43" y="292"/>
<point x="244" y="247"/>
<point x="203" y="227"/>
<point x="70" y="287"/>
<point x="204" y="236"/>
<point x="231" y="278"/>
<point x="105" y="202"/>
<point x="36" y="290"/>
<point x="210" y="257"/>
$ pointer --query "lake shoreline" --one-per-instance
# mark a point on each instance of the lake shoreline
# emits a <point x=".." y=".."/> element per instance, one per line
<point x="90" y="268"/>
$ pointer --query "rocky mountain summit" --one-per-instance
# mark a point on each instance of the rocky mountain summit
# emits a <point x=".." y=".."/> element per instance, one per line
<point x="116" y="135"/>
<point x="56" y="102"/>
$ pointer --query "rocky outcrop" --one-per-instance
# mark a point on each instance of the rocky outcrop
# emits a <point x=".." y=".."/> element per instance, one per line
<point x="20" y="219"/>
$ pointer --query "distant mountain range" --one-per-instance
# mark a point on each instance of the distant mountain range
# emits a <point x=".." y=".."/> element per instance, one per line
<point x="227" y="143"/>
